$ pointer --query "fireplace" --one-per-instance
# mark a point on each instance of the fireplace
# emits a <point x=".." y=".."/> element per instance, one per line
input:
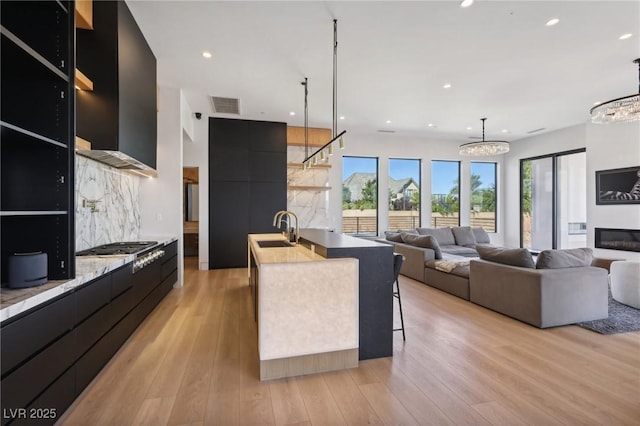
<point x="618" y="239"/>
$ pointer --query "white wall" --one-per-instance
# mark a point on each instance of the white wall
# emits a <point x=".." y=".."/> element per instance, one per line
<point x="161" y="197"/>
<point x="386" y="146"/>
<point x="611" y="146"/>
<point x="196" y="154"/>
<point x="608" y="147"/>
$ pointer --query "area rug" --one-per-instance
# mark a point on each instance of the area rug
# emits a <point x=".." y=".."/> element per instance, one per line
<point x="622" y="319"/>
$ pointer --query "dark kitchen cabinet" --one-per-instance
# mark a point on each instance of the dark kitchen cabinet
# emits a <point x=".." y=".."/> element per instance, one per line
<point x="53" y="351"/>
<point x="120" y="114"/>
<point x="37" y="133"/>
<point x="247" y="185"/>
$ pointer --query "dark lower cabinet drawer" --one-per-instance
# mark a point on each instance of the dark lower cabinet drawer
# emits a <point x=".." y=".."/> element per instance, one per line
<point x="24" y="384"/>
<point x="27" y="335"/>
<point x="171" y="250"/>
<point x="90" y="364"/>
<point x="121" y="280"/>
<point x="122" y="305"/>
<point x="49" y="406"/>
<point x="169" y="266"/>
<point x="92" y="329"/>
<point x="92" y="297"/>
<point x="168" y="283"/>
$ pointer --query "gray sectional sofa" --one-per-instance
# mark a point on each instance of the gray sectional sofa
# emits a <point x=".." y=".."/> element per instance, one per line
<point x="560" y="288"/>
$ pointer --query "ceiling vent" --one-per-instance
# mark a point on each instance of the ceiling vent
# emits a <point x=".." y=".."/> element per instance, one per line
<point x="386" y="131"/>
<point x="225" y="105"/>
<point x="537" y="130"/>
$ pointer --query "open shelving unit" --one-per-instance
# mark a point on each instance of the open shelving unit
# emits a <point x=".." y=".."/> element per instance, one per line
<point x="37" y="133"/>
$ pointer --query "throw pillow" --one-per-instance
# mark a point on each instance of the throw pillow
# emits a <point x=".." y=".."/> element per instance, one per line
<point x="567" y="258"/>
<point x="393" y="236"/>
<point x="507" y="256"/>
<point x="443" y="235"/>
<point x="463" y="235"/>
<point x="481" y="235"/>
<point x="423" y="241"/>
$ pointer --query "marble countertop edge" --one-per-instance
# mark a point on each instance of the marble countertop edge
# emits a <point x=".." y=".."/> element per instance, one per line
<point x="16" y="301"/>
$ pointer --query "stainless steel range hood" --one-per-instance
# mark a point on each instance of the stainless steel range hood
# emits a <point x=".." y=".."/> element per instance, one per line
<point x="118" y="160"/>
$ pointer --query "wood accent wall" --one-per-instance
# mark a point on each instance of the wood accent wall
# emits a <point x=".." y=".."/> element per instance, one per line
<point x="84" y="14"/>
<point x="317" y="137"/>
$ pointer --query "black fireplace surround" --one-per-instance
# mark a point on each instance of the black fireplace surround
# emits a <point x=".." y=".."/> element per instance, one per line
<point x="618" y="239"/>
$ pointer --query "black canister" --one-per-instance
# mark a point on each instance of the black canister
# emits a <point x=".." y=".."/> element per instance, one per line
<point x="27" y="269"/>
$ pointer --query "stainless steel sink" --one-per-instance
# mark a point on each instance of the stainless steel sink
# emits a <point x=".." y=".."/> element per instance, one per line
<point x="274" y="243"/>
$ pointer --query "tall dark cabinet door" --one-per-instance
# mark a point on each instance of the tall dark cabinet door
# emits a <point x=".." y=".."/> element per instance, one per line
<point x="247" y="185"/>
<point x="228" y="224"/>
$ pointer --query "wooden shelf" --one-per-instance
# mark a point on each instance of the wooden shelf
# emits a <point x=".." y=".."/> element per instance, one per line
<point x="82" y="144"/>
<point x="83" y="82"/>
<point x="84" y="14"/>
<point x="317" y="166"/>
<point x="307" y="188"/>
<point x="317" y="137"/>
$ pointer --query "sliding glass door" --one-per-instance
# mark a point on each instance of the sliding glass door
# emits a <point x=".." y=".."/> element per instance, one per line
<point x="553" y="201"/>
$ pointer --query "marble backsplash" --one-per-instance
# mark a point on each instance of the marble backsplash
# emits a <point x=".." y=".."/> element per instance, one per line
<point x="116" y="215"/>
<point x="310" y="205"/>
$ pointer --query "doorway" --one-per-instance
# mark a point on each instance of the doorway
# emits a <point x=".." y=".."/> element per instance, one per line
<point x="553" y="201"/>
<point x="191" y="202"/>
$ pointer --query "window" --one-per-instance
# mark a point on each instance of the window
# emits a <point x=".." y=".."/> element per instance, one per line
<point x="553" y="201"/>
<point x="483" y="195"/>
<point x="404" y="194"/>
<point x="445" y="193"/>
<point x="360" y="195"/>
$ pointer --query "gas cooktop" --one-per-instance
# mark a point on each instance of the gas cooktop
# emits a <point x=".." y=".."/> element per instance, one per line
<point x="127" y="247"/>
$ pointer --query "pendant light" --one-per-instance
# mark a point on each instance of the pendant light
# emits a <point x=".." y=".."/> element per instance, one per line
<point x="621" y="110"/>
<point x="312" y="159"/>
<point x="484" y="148"/>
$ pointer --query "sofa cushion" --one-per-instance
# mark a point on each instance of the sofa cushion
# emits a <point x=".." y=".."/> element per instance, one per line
<point x="567" y="258"/>
<point x="481" y="235"/>
<point x="423" y="241"/>
<point x="459" y="251"/>
<point x="443" y="235"/>
<point x="463" y="235"/>
<point x="507" y="256"/>
<point x="393" y="236"/>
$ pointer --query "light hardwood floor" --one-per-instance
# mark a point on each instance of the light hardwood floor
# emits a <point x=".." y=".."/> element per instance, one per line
<point x="194" y="361"/>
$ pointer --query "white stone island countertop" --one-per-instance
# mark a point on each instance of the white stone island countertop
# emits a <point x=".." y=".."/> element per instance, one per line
<point x="293" y="254"/>
<point x="307" y="309"/>
<point x="15" y="301"/>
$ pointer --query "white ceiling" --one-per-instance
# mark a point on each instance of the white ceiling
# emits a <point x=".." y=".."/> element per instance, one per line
<point x="394" y="58"/>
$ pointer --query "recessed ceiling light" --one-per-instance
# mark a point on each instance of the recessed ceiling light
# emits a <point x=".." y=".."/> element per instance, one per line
<point x="206" y="54"/>
<point x="469" y="128"/>
<point x="447" y="86"/>
<point x="504" y="131"/>
<point x="342" y="117"/>
<point x="625" y="36"/>
<point x="292" y="113"/>
<point x="388" y="121"/>
<point x="551" y="22"/>
<point x="466" y="3"/>
<point x="430" y="125"/>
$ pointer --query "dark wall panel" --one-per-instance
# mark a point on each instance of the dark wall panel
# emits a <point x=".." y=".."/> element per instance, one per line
<point x="247" y="185"/>
<point x="228" y="224"/>
<point x="266" y="198"/>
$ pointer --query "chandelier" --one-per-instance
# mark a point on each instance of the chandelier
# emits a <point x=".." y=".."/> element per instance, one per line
<point x="327" y="149"/>
<point x="484" y="148"/>
<point x="621" y="110"/>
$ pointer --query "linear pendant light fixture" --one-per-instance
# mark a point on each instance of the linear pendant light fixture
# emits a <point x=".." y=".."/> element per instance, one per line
<point x="621" y="110"/>
<point x="484" y="148"/>
<point x="326" y="150"/>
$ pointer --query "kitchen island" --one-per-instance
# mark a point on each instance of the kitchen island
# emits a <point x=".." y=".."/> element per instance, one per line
<point x="306" y="308"/>
<point x="375" y="285"/>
